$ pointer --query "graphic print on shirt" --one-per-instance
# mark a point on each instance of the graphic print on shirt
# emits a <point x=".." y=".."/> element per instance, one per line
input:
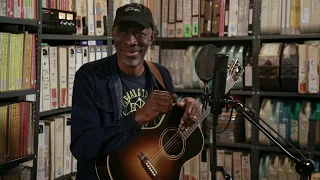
<point x="133" y="100"/>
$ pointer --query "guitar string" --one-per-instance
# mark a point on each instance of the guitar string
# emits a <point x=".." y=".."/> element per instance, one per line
<point x="175" y="139"/>
<point x="175" y="142"/>
<point x="174" y="145"/>
<point x="161" y="157"/>
<point x="156" y="156"/>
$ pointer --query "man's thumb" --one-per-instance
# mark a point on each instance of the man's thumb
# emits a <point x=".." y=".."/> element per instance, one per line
<point x="174" y="97"/>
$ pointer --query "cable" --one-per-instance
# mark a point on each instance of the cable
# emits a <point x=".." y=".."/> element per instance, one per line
<point x="228" y="122"/>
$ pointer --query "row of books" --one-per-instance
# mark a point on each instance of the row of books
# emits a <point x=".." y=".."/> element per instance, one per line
<point x="280" y="167"/>
<point x="197" y="18"/>
<point x="58" y="67"/>
<point x="292" y="119"/>
<point x="17" y="61"/>
<point x="181" y="65"/>
<point x="16" y="130"/>
<point x="68" y="5"/>
<point x="290" y="17"/>
<point x="290" y="67"/>
<point x="20" y="172"/>
<point x="237" y="163"/>
<point x="25" y="9"/>
<point x="54" y="156"/>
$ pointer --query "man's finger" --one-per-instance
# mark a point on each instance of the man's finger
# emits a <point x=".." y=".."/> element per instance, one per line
<point x="174" y="97"/>
<point x="182" y="103"/>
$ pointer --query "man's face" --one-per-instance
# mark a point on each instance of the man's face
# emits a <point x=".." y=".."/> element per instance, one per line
<point x="132" y="41"/>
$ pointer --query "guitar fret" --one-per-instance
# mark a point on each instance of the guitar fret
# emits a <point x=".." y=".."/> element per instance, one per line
<point x="186" y="133"/>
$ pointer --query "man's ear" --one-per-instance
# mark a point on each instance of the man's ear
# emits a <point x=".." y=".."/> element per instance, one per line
<point x="152" y="37"/>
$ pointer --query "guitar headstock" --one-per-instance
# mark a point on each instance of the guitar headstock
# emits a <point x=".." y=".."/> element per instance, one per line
<point x="235" y="71"/>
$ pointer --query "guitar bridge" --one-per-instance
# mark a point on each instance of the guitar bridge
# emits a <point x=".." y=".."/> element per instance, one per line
<point x="147" y="165"/>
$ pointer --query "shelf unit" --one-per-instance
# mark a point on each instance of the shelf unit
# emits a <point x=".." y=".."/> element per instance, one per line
<point x="21" y="94"/>
<point x="255" y="93"/>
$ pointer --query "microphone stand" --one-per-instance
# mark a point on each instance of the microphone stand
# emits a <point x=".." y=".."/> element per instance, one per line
<point x="304" y="167"/>
<point x="218" y="92"/>
<point x="215" y="111"/>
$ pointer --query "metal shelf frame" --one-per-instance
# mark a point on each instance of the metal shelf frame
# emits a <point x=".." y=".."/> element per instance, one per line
<point x="18" y="21"/>
<point x="73" y="37"/>
<point x="55" y="112"/>
<point x="7" y="166"/>
<point x="11" y="94"/>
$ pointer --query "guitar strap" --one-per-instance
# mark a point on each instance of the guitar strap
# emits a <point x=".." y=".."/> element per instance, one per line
<point x="155" y="71"/>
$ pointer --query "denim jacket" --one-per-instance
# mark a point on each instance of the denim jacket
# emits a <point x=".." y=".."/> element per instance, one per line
<point x="96" y="123"/>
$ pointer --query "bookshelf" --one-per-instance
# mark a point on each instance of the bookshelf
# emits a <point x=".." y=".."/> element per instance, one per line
<point x="255" y="41"/>
<point x="13" y="95"/>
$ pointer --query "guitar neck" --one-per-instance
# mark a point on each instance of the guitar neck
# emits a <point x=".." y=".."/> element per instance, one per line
<point x="235" y="72"/>
<point x="187" y="132"/>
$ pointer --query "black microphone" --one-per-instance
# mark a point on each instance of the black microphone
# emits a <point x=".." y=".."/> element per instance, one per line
<point x="212" y="66"/>
<point x="216" y="103"/>
<point x="219" y="82"/>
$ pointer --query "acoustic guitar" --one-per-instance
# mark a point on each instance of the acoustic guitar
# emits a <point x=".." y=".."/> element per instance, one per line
<point x="161" y="151"/>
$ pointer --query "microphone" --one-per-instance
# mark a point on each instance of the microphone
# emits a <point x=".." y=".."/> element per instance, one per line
<point x="213" y="66"/>
<point x="216" y="104"/>
<point x="219" y="83"/>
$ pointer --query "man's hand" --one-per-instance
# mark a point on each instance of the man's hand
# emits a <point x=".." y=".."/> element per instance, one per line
<point x="158" y="102"/>
<point x="191" y="114"/>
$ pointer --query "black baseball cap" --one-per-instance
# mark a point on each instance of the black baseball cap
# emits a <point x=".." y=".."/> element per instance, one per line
<point x="135" y="12"/>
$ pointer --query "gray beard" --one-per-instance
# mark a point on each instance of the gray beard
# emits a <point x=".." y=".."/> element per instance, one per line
<point x="130" y="62"/>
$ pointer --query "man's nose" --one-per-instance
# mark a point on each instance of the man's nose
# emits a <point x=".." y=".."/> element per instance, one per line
<point x="130" y="39"/>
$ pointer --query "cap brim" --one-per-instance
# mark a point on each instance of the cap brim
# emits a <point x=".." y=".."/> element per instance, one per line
<point x="135" y="19"/>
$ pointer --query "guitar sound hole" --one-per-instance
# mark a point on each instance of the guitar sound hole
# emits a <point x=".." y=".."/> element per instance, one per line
<point x="172" y="144"/>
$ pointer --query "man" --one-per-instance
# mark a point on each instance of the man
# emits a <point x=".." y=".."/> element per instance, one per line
<point x="115" y="96"/>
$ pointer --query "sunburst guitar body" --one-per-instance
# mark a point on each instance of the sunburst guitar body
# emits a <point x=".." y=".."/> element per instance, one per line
<point x="156" y="153"/>
<point x="159" y="153"/>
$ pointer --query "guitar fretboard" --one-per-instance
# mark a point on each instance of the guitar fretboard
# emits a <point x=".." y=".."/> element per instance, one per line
<point x="235" y="71"/>
<point x="187" y="132"/>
